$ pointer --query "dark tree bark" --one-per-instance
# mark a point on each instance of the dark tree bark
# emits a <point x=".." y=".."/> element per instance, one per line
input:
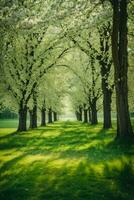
<point x="107" y="99"/>
<point x="93" y="95"/>
<point x="31" y="120"/>
<point x="105" y="64"/>
<point x="89" y="115"/>
<point x="94" y="119"/>
<point x="120" y="58"/>
<point x="34" y="117"/>
<point x="50" y="120"/>
<point x="43" y="117"/>
<point x="85" y="114"/>
<point x="80" y="113"/>
<point x="43" y="114"/>
<point x="22" y="126"/>
<point x="33" y="112"/>
<point x="55" y="116"/>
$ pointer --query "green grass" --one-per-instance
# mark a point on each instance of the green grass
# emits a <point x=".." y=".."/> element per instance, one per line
<point x="65" y="161"/>
<point x="8" y="123"/>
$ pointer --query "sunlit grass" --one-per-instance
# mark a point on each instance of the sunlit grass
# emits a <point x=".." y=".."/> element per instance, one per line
<point x="65" y="161"/>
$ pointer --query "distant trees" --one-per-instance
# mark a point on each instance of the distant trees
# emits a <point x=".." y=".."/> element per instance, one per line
<point x="52" y="91"/>
<point x="102" y="55"/>
<point x="120" y="60"/>
<point x="87" y="84"/>
<point x="33" y="45"/>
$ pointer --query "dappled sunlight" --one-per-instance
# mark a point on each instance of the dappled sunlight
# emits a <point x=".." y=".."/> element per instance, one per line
<point x="6" y="157"/>
<point x="66" y="160"/>
<point x="60" y="163"/>
<point x="30" y="159"/>
<point x="117" y="164"/>
<point x="5" y="131"/>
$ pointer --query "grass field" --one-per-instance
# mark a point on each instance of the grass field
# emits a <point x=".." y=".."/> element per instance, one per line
<point x="65" y="161"/>
<point x="8" y="123"/>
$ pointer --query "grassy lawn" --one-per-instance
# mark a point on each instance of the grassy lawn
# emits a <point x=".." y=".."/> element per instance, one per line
<point x="65" y="161"/>
<point x="11" y="123"/>
<point x="8" y="123"/>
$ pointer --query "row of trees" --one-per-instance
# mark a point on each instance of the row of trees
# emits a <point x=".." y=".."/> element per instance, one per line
<point x="28" y="58"/>
<point x="119" y="48"/>
<point x="97" y="66"/>
<point x="85" y="37"/>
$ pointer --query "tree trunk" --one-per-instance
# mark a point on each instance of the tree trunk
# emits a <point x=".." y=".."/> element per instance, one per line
<point x="22" y="119"/>
<point x="85" y="115"/>
<point x="120" y="58"/>
<point x="50" y="116"/>
<point x="107" y="100"/>
<point x="55" y="116"/>
<point x="105" y="63"/>
<point x="94" y="114"/>
<point x="80" y="113"/>
<point x="89" y="115"/>
<point x="31" y="120"/>
<point x="107" y="95"/>
<point x="117" y="126"/>
<point x="33" y="117"/>
<point x="33" y="112"/>
<point x="43" y="117"/>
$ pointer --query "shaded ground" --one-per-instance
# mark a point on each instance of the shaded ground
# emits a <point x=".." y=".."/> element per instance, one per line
<point x="65" y="161"/>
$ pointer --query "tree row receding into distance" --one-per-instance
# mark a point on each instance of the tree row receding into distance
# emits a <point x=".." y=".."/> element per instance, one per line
<point x="54" y="49"/>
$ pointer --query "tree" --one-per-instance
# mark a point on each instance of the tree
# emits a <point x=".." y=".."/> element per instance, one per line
<point x="24" y="66"/>
<point x="43" y="113"/>
<point x="88" y="75"/>
<point x="105" y="64"/>
<point x="120" y="59"/>
<point x="33" y="110"/>
<point x="51" y="91"/>
<point x="92" y="92"/>
<point x="103" y="55"/>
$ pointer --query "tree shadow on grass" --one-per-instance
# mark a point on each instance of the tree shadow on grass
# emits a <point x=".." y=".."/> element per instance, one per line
<point x="8" y="135"/>
<point x="72" y="162"/>
<point x="80" y="180"/>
